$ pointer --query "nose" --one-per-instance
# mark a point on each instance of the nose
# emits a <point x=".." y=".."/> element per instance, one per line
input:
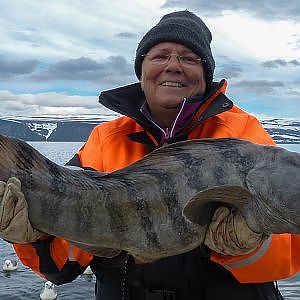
<point x="173" y="64"/>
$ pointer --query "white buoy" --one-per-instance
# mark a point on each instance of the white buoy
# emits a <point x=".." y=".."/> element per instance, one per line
<point x="48" y="293"/>
<point x="88" y="271"/>
<point x="10" y="265"/>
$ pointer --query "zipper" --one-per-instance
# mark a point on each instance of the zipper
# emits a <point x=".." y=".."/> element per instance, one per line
<point x="177" y="117"/>
<point x="167" y="132"/>
<point x="124" y="278"/>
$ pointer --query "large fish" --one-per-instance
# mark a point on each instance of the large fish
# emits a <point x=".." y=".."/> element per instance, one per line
<point x="162" y="204"/>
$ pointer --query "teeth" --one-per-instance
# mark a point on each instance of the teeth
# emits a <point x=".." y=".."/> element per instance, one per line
<point x="173" y="84"/>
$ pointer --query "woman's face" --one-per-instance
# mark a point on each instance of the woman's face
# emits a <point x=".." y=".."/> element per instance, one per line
<point x="166" y="85"/>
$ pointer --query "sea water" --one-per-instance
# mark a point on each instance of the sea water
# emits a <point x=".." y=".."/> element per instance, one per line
<point x="24" y="284"/>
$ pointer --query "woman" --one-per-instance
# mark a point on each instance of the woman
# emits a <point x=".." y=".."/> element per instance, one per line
<point x="175" y="100"/>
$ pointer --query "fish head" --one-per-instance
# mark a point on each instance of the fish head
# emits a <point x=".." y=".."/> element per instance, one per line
<point x="276" y="188"/>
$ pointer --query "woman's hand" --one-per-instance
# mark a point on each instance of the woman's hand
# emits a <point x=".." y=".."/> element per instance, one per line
<point x="15" y="226"/>
<point x="229" y="234"/>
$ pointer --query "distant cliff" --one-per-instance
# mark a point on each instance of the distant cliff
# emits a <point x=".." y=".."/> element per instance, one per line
<point x="77" y="129"/>
<point x="283" y="131"/>
<point x="58" y="129"/>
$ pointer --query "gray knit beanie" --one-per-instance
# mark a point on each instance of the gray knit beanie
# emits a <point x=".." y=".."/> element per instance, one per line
<point x="182" y="27"/>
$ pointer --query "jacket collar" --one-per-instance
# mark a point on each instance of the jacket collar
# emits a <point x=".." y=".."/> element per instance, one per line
<point x="128" y="100"/>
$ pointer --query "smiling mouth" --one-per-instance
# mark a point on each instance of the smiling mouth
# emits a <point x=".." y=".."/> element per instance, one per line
<point x="172" y="84"/>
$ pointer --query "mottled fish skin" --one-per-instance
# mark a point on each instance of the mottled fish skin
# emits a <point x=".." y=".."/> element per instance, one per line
<point x="140" y="208"/>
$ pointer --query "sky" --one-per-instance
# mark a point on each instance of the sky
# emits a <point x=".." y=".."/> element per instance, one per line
<point x="57" y="56"/>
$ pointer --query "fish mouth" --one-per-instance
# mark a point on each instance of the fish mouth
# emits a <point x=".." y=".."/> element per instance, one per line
<point x="174" y="84"/>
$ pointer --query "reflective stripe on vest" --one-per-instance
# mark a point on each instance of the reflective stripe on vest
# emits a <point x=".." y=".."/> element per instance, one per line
<point x="258" y="255"/>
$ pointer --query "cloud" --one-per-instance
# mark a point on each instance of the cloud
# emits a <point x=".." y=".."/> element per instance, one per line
<point x="127" y="35"/>
<point x="57" y="28"/>
<point x="228" y="72"/>
<point x="113" y="69"/>
<point x="297" y="43"/>
<point x="53" y="49"/>
<point x="52" y="103"/>
<point x="11" y="67"/>
<point x="25" y="34"/>
<point x="276" y="63"/>
<point x="258" y="86"/>
<point x="267" y="9"/>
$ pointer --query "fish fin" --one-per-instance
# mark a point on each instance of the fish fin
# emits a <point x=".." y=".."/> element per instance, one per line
<point x="200" y="208"/>
<point x="98" y="251"/>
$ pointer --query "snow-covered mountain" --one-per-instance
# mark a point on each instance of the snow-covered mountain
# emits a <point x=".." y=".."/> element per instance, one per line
<point x="77" y="129"/>
<point x="283" y="131"/>
<point x="52" y="128"/>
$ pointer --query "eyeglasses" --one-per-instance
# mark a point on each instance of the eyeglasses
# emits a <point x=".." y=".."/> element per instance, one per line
<point x="184" y="60"/>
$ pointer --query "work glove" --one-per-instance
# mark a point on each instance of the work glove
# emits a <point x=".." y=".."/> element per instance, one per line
<point x="14" y="223"/>
<point x="229" y="234"/>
